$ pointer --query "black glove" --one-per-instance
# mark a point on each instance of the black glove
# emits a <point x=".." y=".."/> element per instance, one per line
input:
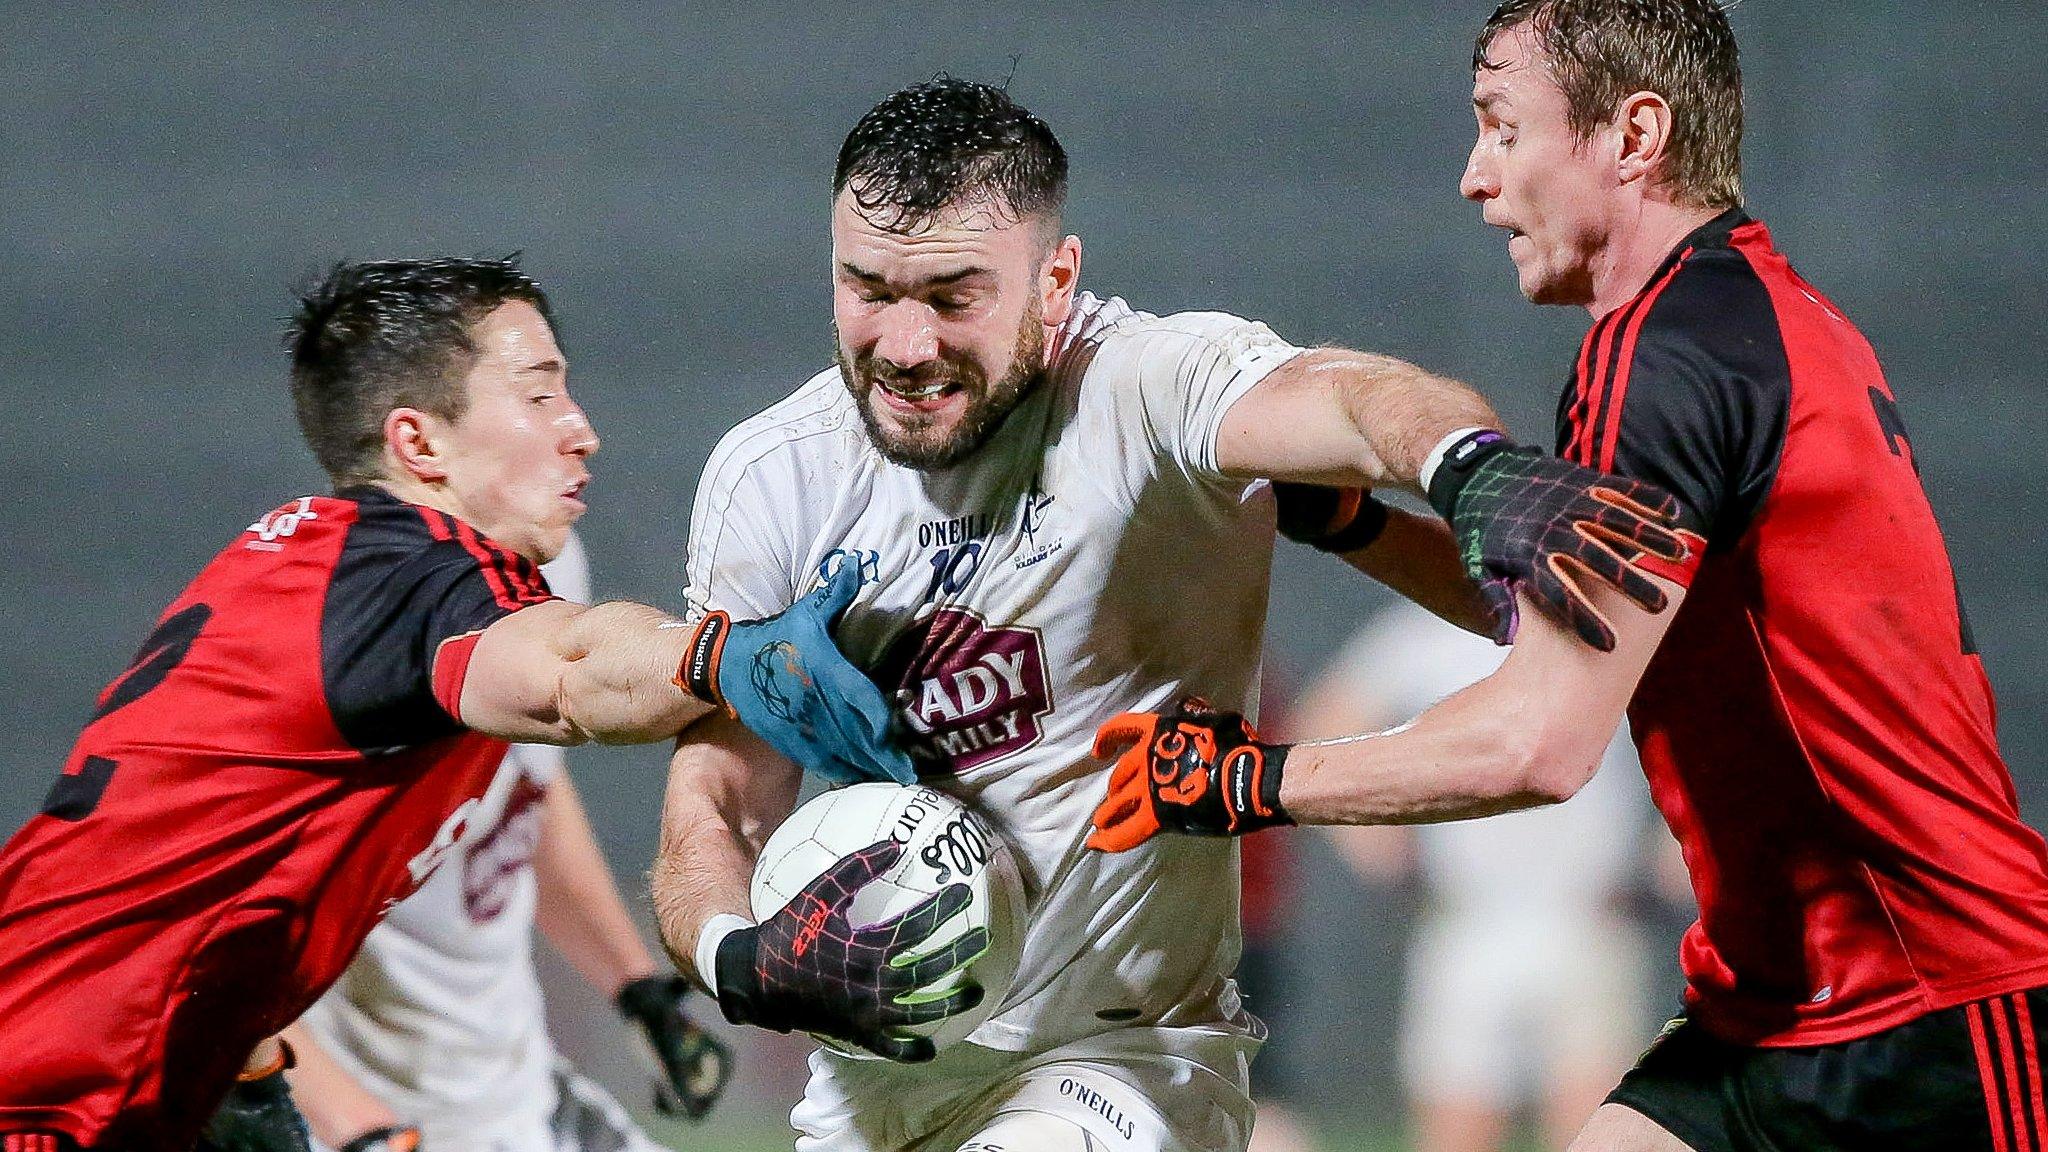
<point x="396" y="1138"/>
<point x="1192" y="770"/>
<point x="1524" y="518"/>
<point x="257" y="1116"/>
<point x="807" y="967"/>
<point x="694" y="1065"/>
<point x="1335" y="520"/>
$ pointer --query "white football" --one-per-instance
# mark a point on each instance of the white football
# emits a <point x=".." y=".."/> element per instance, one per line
<point x="944" y="843"/>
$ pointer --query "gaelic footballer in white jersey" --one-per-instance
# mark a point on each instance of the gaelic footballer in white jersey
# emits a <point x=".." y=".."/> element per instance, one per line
<point x="440" y="1016"/>
<point x="1088" y="559"/>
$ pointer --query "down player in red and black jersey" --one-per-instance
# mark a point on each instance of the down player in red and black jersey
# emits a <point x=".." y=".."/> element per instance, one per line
<point x="1817" y="729"/>
<point x="311" y="722"/>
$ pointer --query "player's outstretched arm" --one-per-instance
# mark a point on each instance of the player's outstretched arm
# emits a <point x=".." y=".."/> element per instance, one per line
<point x="342" y="1113"/>
<point x="1530" y="734"/>
<point x="581" y="912"/>
<point x="1521" y="519"/>
<point x="623" y="673"/>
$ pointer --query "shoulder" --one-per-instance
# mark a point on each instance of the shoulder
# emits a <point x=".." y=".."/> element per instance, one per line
<point x="1710" y="311"/>
<point x="815" y="425"/>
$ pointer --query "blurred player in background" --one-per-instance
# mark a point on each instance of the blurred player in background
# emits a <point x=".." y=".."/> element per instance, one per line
<point x="1526" y="975"/>
<point x="316" y="717"/>
<point x="1814" y="721"/>
<point x="1050" y="500"/>
<point x="438" y="1029"/>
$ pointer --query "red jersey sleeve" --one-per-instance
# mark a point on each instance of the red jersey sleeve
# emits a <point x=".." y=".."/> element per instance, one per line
<point x="1676" y="388"/>
<point x="412" y="591"/>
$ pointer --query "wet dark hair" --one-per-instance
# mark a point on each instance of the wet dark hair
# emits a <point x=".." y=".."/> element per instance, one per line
<point x="948" y="142"/>
<point x="387" y="334"/>
<point x="1600" y="51"/>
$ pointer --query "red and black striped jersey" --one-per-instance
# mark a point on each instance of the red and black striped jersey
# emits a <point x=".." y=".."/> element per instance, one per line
<point x="1816" y="726"/>
<point x="282" y="762"/>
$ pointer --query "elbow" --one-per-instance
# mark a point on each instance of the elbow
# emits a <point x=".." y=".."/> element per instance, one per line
<point x="1546" y="759"/>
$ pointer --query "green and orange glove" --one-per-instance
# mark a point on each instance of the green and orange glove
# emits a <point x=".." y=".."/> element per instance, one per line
<point x="1525" y="519"/>
<point x="1192" y="770"/>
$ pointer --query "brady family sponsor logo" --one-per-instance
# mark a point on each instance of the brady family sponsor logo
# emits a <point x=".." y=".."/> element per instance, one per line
<point x="1099" y="1104"/>
<point x="492" y="864"/>
<point x="968" y="691"/>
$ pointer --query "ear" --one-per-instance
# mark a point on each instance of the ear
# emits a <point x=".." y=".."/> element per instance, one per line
<point x="413" y="439"/>
<point x="1643" y="123"/>
<point x="1057" y="279"/>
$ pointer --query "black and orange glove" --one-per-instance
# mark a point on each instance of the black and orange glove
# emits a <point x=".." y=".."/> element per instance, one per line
<point x="391" y="1138"/>
<point x="1335" y="520"/>
<point x="1193" y="770"/>
<point x="1526" y="519"/>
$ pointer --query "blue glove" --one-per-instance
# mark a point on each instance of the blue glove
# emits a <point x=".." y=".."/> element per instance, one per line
<point x="784" y="678"/>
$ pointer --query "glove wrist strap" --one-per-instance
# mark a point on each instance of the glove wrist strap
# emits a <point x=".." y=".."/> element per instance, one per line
<point x="709" y="940"/>
<point x="1453" y="462"/>
<point x="738" y="987"/>
<point x="698" y="673"/>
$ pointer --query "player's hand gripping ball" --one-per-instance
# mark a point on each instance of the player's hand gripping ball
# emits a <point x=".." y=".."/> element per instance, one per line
<point x="1193" y="770"/>
<point x="891" y="923"/>
<point x="785" y="678"/>
<point x="1526" y="519"/>
<point x="694" y="1065"/>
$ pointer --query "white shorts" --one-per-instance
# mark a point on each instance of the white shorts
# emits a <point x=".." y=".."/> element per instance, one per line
<point x="583" y="1117"/>
<point x="1120" y="1091"/>
<point x="1497" y="1005"/>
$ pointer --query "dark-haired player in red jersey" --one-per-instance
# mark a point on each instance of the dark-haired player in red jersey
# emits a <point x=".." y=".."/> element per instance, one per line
<point x="312" y="721"/>
<point x="1817" y="729"/>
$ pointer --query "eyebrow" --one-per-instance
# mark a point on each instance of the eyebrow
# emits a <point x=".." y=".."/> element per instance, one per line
<point x="867" y="277"/>
<point x="1489" y="101"/>
<point x="550" y="364"/>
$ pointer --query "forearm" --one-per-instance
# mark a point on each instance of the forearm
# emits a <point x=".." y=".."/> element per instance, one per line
<point x="1404" y="411"/>
<point x="580" y="910"/>
<point x="1530" y="734"/>
<point x="1416" y="557"/>
<point x="726" y="792"/>
<point x="617" y="683"/>
<point x="337" y="1108"/>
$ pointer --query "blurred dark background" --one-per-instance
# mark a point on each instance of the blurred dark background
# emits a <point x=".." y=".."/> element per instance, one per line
<point x="167" y="172"/>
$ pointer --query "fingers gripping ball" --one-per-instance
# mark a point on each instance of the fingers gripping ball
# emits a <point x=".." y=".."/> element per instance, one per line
<point x="785" y="678"/>
<point x="941" y="895"/>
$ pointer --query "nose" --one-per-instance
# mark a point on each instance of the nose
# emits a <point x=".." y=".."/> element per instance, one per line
<point x="909" y="334"/>
<point x="579" y="438"/>
<point x="1480" y="182"/>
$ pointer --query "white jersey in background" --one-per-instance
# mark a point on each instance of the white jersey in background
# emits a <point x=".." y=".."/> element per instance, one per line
<point x="1087" y="560"/>
<point x="440" y="1014"/>
<point x="1524" y="974"/>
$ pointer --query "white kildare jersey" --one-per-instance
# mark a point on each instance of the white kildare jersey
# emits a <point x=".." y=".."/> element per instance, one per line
<point x="440" y="1014"/>
<point x="1088" y="559"/>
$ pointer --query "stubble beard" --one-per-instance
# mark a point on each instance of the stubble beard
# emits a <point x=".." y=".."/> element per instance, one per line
<point x="922" y="443"/>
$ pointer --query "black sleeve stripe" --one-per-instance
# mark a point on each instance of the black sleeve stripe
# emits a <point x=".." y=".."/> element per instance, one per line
<point x="1605" y="432"/>
<point x="505" y="587"/>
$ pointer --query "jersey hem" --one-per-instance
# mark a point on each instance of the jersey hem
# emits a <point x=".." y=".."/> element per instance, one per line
<point x="1883" y="1016"/>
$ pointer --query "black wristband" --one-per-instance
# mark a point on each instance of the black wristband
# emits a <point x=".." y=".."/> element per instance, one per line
<point x="646" y="995"/>
<point x="1364" y="528"/>
<point x="1335" y="520"/>
<point x="1460" y="461"/>
<point x="738" y="987"/>
<point x="698" y="673"/>
<point x="1269" y="783"/>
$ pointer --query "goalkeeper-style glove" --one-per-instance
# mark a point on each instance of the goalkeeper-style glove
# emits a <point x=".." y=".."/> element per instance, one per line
<point x="1523" y="518"/>
<point x="786" y="679"/>
<point x="1335" y="520"/>
<point x="807" y="967"/>
<point x="694" y="1065"/>
<point x="1193" y="770"/>
<point x="258" y="1116"/>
